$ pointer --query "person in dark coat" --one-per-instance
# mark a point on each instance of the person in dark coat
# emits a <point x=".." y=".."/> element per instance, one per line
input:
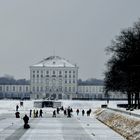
<point x="83" y="112"/>
<point x="77" y="111"/>
<point x="69" y="112"/>
<point x="58" y="110"/>
<point x="36" y="114"/>
<point x="17" y="108"/>
<point x="40" y="113"/>
<point x="17" y="114"/>
<point x="65" y="112"/>
<point x="26" y="119"/>
<point x="88" y="112"/>
<point x="54" y="113"/>
<point x="30" y="112"/>
<point x="62" y="108"/>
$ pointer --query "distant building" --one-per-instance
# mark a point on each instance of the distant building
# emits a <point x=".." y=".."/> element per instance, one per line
<point x="97" y="92"/>
<point x="15" y="91"/>
<point x="91" y="91"/>
<point x="53" y="78"/>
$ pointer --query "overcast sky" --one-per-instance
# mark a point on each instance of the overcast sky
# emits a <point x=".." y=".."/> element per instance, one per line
<point x="78" y="30"/>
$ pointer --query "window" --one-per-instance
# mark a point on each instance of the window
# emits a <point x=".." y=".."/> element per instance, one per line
<point x="41" y="75"/>
<point x="33" y="71"/>
<point x="20" y="89"/>
<point x="73" y="89"/>
<point x="53" y="72"/>
<point x="60" y="88"/>
<point x="13" y="88"/>
<point x="69" y="89"/>
<point x="7" y="88"/>
<point x="47" y="72"/>
<point x="65" y="89"/>
<point x="26" y="89"/>
<point x="33" y="75"/>
<point x="0" y="88"/>
<point x="65" y="71"/>
<point x="60" y="74"/>
<point x="86" y="89"/>
<point x="37" y="89"/>
<point x="47" y="88"/>
<point x="33" y="89"/>
<point x="69" y="71"/>
<point x="69" y="76"/>
<point x="41" y="88"/>
<point x="37" y="76"/>
<point x="37" y="71"/>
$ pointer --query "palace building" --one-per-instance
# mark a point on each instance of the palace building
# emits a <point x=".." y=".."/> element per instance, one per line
<point x="53" y="78"/>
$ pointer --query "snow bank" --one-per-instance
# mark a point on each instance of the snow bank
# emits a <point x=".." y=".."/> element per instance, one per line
<point x="126" y="125"/>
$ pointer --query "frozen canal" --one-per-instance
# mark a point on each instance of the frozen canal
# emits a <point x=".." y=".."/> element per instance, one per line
<point x="48" y="128"/>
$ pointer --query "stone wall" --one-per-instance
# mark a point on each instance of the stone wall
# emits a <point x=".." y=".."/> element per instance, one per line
<point x="125" y="125"/>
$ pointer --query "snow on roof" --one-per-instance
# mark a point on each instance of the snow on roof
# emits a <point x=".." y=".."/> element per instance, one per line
<point x="54" y="61"/>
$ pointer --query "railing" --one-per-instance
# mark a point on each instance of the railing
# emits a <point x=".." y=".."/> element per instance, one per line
<point x="125" y="112"/>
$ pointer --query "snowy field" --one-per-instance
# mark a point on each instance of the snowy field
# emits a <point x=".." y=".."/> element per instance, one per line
<point x="59" y="128"/>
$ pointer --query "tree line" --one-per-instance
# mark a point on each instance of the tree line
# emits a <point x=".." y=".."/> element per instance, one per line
<point x="123" y="67"/>
<point x="91" y="81"/>
<point x="10" y="80"/>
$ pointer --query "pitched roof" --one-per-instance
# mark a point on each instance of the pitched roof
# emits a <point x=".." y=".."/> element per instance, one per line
<point x="54" y="61"/>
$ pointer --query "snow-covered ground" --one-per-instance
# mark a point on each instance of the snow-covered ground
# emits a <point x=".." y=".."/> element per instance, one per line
<point x="60" y="128"/>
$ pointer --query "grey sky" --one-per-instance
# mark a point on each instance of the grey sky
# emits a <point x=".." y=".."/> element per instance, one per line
<point x="78" y="30"/>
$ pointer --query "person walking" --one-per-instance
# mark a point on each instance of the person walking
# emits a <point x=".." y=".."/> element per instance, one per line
<point x="36" y="114"/>
<point x="17" y="107"/>
<point x="17" y="114"/>
<point x="83" y="112"/>
<point x="26" y="119"/>
<point x="30" y="113"/>
<point x="54" y="113"/>
<point x="77" y="111"/>
<point x="40" y="113"/>
<point x="58" y="110"/>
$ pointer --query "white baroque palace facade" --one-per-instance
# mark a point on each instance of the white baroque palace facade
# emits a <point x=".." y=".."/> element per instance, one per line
<point x="53" y="78"/>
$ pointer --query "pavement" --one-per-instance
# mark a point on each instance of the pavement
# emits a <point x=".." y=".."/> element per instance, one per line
<point x="59" y="128"/>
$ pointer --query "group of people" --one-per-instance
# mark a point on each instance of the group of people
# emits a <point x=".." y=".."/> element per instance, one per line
<point x="36" y="113"/>
<point x="88" y="112"/>
<point x="68" y="111"/>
